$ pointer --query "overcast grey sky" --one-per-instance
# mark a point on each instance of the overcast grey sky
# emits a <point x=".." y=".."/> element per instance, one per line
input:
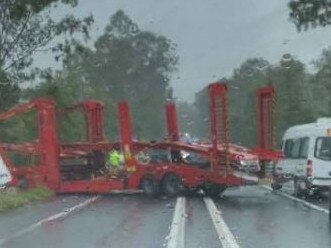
<point x="214" y="36"/>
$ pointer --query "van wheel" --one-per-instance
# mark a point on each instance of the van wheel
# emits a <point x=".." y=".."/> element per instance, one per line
<point x="298" y="190"/>
<point x="276" y="186"/>
<point x="172" y="185"/>
<point x="149" y="186"/>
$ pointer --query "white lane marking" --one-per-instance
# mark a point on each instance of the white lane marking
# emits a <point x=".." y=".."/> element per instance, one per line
<point x="62" y="214"/>
<point x="224" y="234"/>
<point x="177" y="228"/>
<point x="308" y="204"/>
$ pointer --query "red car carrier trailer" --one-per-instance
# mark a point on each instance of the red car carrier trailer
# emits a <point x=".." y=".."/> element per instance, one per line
<point x="170" y="166"/>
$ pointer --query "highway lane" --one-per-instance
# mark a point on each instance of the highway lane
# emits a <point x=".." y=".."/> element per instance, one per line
<point x="321" y="199"/>
<point x="18" y="219"/>
<point x="256" y="217"/>
<point x="260" y="218"/>
<point x="199" y="229"/>
<point x="112" y="221"/>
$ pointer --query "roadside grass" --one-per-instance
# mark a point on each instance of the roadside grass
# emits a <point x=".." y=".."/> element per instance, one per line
<point x="11" y="198"/>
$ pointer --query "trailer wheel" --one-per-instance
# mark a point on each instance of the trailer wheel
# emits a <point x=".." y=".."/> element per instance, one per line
<point x="172" y="185"/>
<point x="214" y="190"/>
<point x="149" y="186"/>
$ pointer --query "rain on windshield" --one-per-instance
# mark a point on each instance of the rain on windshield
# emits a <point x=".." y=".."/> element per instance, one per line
<point x="165" y="123"/>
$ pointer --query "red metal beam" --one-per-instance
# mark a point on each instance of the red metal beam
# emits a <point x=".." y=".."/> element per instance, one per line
<point x="265" y="105"/>
<point x="125" y="127"/>
<point x="19" y="109"/>
<point x="105" y="185"/>
<point x="48" y="143"/>
<point x="47" y="171"/>
<point x="172" y="121"/>
<point x="219" y="123"/>
<point x="94" y="119"/>
<point x="25" y="148"/>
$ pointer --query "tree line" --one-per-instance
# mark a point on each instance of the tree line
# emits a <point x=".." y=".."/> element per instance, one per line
<point x="128" y="63"/>
<point x="302" y="96"/>
<point x="124" y="63"/>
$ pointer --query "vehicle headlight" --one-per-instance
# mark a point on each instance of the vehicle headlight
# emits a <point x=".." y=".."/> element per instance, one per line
<point x="243" y="162"/>
<point x="249" y="162"/>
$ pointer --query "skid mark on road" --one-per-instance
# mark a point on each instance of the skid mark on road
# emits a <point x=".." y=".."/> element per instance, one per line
<point x="224" y="234"/>
<point x="308" y="204"/>
<point x="57" y="216"/>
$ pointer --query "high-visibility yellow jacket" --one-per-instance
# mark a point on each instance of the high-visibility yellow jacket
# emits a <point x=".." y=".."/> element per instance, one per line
<point x="115" y="158"/>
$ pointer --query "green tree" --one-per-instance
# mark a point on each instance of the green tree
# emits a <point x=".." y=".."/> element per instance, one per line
<point x="310" y="13"/>
<point x="293" y="94"/>
<point x="26" y="26"/>
<point x="130" y="64"/>
<point x="126" y="63"/>
<point x="202" y="121"/>
<point x="293" y="91"/>
<point x="63" y="90"/>
<point x="320" y="85"/>
<point x="9" y="93"/>
<point x="251" y="74"/>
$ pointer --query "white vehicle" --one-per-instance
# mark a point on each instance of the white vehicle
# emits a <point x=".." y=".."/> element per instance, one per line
<point x="5" y="176"/>
<point x="307" y="157"/>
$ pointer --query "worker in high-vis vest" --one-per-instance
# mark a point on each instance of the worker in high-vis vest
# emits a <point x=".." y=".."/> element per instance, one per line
<point x="115" y="159"/>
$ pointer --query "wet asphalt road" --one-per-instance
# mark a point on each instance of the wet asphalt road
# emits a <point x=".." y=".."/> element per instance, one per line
<point x="199" y="229"/>
<point x="321" y="199"/>
<point x="256" y="217"/>
<point x="112" y="221"/>
<point x="259" y="218"/>
<point x="16" y="220"/>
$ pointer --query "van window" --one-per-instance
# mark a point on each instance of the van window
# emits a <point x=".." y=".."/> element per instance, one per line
<point x="288" y="144"/>
<point x="304" y="145"/>
<point x="292" y="148"/>
<point x="323" y="148"/>
<point x="296" y="148"/>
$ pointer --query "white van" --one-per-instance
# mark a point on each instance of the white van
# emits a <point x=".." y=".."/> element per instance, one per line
<point x="307" y="157"/>
<point x="5" y="176"/>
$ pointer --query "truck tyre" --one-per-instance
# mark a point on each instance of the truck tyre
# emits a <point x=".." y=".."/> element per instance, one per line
<point x="149" y="186"/>
<point x="215" y="190"/>
<point x="172" y="185"/>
